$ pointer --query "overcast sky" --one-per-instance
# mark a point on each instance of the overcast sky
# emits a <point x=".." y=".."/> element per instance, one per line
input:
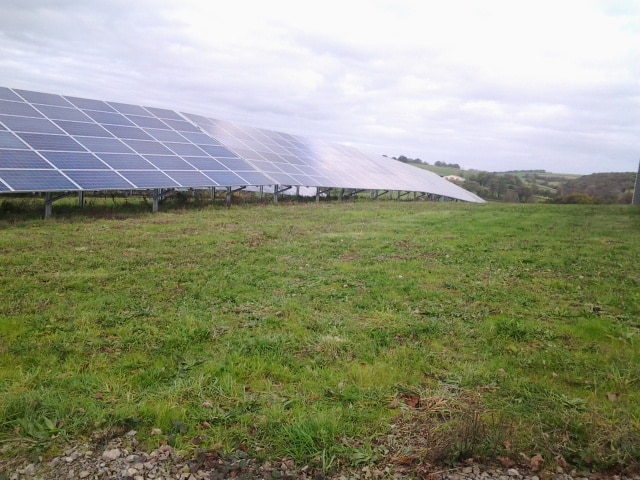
<point x="491" y="85"/>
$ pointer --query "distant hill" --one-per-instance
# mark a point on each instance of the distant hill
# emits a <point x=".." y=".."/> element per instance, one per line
<point x="603" y="187"/>
<point x="534" y="186"/>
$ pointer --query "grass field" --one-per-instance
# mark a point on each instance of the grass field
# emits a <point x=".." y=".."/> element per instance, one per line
<point x="333" y="333"/>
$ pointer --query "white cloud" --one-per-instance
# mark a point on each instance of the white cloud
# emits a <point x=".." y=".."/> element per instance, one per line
<point x="496" y="84"/>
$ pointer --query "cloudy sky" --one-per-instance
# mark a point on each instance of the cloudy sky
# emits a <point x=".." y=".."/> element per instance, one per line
<point x="492" y="84"/>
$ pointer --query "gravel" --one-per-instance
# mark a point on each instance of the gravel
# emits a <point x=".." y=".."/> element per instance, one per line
<point x="122" y="459"/>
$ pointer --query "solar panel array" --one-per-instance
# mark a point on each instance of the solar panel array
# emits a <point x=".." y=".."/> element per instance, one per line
<point x="54" y="143"/>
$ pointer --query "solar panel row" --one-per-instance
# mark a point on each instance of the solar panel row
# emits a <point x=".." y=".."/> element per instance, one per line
<point x="61" y="143"/>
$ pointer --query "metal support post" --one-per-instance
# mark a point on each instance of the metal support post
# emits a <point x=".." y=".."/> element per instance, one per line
<point x="228" y="196"/>
<point x="156" y="200"/>
<point x="81" y="198"/>
<point x="275" y="193"/>
<point x="47" y="205"/>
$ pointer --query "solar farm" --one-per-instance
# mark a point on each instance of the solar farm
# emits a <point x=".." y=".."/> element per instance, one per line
<point x="60" y="144"/>
<point x="354" y="337"/>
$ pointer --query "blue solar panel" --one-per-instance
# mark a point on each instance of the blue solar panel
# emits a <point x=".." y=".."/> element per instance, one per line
<point x="21" y="159"/>
<point x="218" y="151"/>
<point x="50" y="142"/>
<point x="61" y="113"/>
<point x="109" y="118"/>
<point x="43" y="98"/>
<point x="168" y="162"/>
<point x="19" y="108"/>
<point x="129" y="109"/>
<point x="205" y="163"/>
<point x="235" y="164"/>
<point x="200" y="138"/>
<point x="90" y="104"/>
<point x="149" y="179"/>
<point x="283" y="179"/>
<point x="148" y="122"/>
<point x="106" y="145"/>
<point x="290" y="169"/>
<point x="9" y="140"/>
<point x="266" y="166"/>
<point x="256" y="178"/>
<point x="165" y="135"/>
<point x="6" y="94"/>
<point x="187" y="149"/>
<point x="191" y="178"/>
<point x="243" y="155"/>
<point x="83" y="129"/>
<point x="124" y="161"/>
<point x="181" y="126"/>
<point x="148" y="148"/>
<point x="26" y="124"/>
<point x="227" y="179"/>
<point x="98" y="180"/>
<point x="133" y="133"/>
<point x="74" y="160"/>
<point x="164" y="113"/>
<point x="37" y="180"/>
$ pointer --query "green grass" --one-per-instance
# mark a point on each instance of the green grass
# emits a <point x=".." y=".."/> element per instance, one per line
<point x="309" y="331"/>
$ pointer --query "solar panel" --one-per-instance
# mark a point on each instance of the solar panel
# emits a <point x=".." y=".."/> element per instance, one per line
<point x="22" y="159"/>
<point x="125" y="161"/>
<point x="63" y="143"/>
<point x="6" y="94"/>
<point x="74" y="161"/>
<point x="105" y="145"/>
<point x="37" y="180"/>
<point x="43" y="98"/>
<point x="187" y="149"/>
<point x="149" y="179"/>
<point x="9" y="140"/>
<point x="98" y="180"/>
<point x="28" y="124"/>
<point x="62" y="113"/>
<point x="42" y="141"/>
<point x="133" y="133"/>
<point x="83" y="129"/>
<point x="18" y="108"/>
<point x="191" y="178"/>
<point x="148" y="122"/>
<point x="168" y="162"/>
